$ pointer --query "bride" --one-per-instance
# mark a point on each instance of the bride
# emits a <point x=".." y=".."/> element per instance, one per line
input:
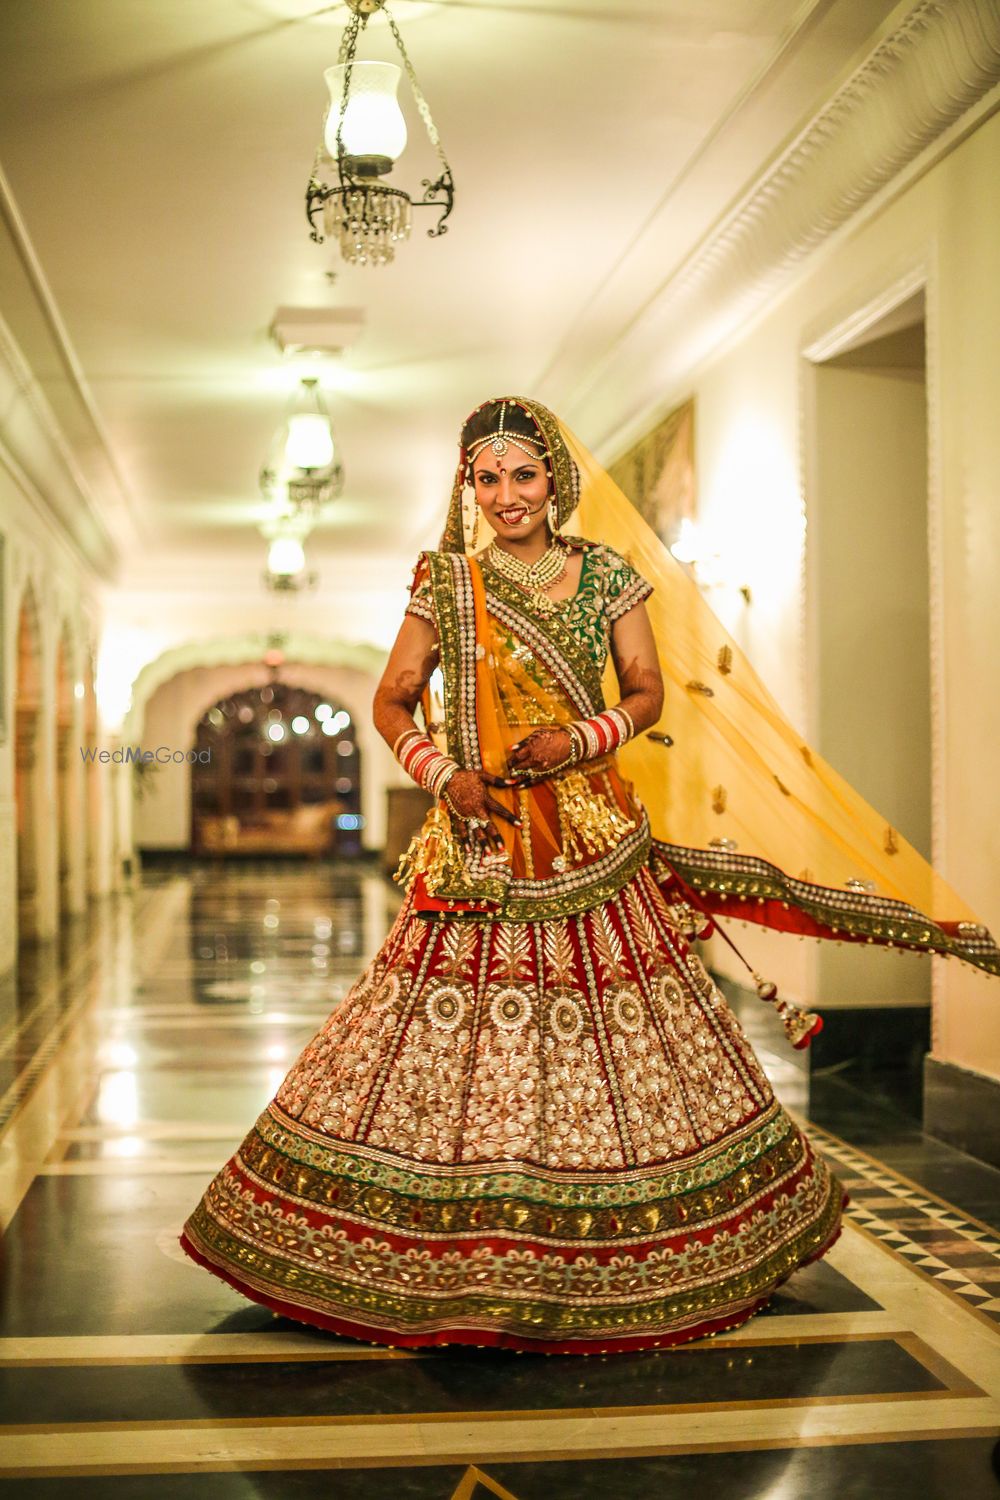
<point x="534" y="1122"/>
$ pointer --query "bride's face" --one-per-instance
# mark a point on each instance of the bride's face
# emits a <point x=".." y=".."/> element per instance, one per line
<point x="513" y="491"/>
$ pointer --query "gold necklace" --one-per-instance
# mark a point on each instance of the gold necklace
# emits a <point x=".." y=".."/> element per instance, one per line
<point x="533" y="577"/>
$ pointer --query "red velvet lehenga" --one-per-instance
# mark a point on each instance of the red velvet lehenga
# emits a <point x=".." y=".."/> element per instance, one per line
<point x="534" y="1122"/>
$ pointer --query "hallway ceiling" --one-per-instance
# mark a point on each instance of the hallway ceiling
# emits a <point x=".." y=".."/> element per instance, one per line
<point x="157" y="157"/>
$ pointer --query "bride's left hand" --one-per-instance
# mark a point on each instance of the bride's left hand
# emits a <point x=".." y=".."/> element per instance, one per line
<point x="539" y="751"/>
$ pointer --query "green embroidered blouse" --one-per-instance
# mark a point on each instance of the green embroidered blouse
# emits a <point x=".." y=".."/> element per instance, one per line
<point x="608" y="588"/>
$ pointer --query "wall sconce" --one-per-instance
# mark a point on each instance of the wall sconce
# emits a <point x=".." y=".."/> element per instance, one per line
<point x="706" y="565"/>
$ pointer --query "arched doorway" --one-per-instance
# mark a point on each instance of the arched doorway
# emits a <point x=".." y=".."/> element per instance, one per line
<point x="27" y="791"/>
<point x="172" y="692"/>
<point x="276" y="769"/>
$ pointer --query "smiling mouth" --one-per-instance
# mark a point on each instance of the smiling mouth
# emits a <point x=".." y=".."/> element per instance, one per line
<point x="513" y="515"/>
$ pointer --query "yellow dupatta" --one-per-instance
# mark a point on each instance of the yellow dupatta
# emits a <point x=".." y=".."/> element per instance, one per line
<point x="744" y="809"/>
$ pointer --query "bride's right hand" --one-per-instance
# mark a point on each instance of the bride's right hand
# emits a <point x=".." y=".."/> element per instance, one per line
<point x="467" y="793"/>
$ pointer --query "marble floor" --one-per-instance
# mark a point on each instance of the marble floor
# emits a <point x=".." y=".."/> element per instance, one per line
<point x="133" y="1056"/>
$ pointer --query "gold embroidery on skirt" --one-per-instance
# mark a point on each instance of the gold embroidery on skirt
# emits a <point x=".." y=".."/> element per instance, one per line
<point x="588" y="822"/>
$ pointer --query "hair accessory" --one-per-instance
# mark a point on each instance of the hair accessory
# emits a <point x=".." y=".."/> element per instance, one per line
<point x="500" y="441"/>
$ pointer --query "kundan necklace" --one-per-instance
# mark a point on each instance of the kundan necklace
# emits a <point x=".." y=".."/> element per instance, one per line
<point x="534" y="577"/>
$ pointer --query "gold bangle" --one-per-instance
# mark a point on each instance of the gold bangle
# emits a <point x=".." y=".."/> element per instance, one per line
<point x="628" y="719"/>
<point x="401" y="737"/>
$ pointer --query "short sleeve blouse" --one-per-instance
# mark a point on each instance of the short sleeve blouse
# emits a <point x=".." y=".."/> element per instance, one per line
<point x="621" y="586"/>
<point x="609" y="588"/>
<point x="421" y="594"/>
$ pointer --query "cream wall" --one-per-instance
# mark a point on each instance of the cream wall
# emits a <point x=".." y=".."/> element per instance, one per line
<point x="869" y="630"/>
<point x="754" y="477"/>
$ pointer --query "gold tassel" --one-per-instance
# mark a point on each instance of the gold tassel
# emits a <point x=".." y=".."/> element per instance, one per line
<point x="800" y="1025"/>
<point x="434" y="853"/>
<point x="587" y="820"/>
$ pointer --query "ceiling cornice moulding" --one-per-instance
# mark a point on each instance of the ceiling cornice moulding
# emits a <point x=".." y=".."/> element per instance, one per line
<point x="35" y="454"/>
<point x="36" y="340"/>
<point x="924" y="75"/>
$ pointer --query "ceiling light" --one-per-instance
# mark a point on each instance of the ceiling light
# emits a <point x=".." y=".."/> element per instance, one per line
<point x="372" y="131"/>
<point x="316" y="330"/>
<point x="301" y="471"/>
<point x="310" y="442"/>
<point x="286" y="556"/>
<point x="364" y="133"/>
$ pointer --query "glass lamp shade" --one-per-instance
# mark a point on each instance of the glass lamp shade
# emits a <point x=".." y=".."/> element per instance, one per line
<point x="373" y="121"/>
<point x="285" y="556"/>
<point x="301" y="462"/>
<point x="309" y="444"/>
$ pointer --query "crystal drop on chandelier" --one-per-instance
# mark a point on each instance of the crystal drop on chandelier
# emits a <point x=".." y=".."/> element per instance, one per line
<point x="367" y="221"/>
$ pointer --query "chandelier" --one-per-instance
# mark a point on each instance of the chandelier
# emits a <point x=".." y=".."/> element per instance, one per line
<point x="364" y="134"/>
<point x="302" y="471"/>
<point x="286" y="571"/>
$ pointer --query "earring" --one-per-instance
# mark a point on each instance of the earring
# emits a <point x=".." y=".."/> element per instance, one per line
<point x="551" y="520"/>
<point x="475" y="531"/>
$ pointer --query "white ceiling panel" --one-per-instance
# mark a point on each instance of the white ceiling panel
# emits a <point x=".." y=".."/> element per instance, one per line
<point x="158" y="154"/>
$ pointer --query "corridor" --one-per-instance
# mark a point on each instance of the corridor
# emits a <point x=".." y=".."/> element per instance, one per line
<point x="549" y="448"/>
<point x="132" y="1066"/>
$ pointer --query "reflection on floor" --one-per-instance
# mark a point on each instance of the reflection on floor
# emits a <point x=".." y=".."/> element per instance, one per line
<point x="134" y="1061"/>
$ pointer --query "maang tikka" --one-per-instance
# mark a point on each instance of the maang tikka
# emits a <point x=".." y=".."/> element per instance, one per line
<point x="500" y="441"/>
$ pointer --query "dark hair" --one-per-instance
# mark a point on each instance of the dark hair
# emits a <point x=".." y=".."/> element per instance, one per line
<point x="485" y="420"/>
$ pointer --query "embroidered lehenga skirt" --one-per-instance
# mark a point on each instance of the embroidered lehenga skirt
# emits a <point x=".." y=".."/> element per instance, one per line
<point x="534" y="1122"/>
<point x="547" y="1136"/>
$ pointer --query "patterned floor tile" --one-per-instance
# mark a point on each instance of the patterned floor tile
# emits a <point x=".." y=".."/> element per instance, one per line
<point x="957" y="1252"/>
